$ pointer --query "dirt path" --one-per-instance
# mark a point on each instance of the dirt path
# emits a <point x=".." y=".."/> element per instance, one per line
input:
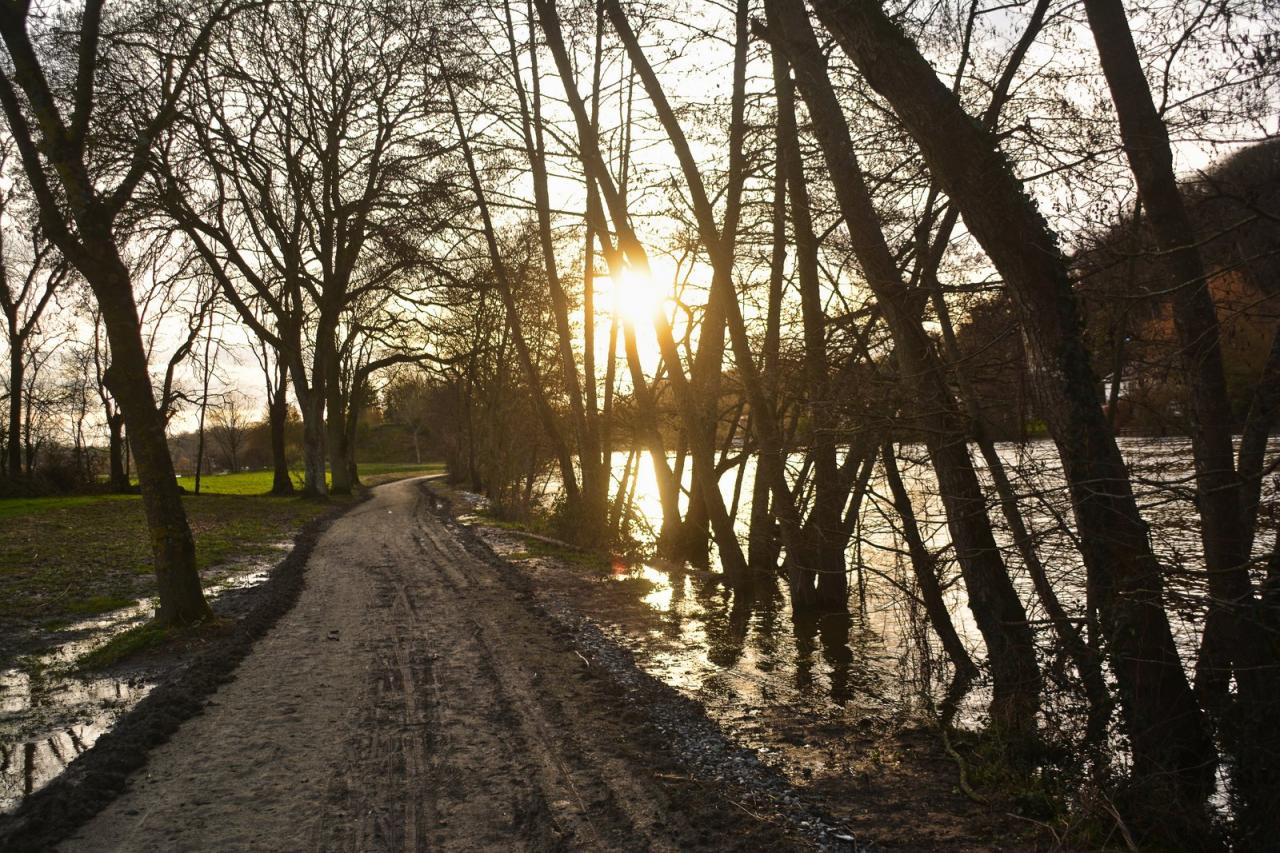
<point x="414" y="700"/>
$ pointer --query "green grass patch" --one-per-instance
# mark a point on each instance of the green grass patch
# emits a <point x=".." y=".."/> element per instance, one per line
<point x="589" y="559"/>
<point x="65" y="558"/>
<point x="19" y="507"/>
<point x="125" y="644"/>
<point x="259" y="482"/>
<point x="143" y="638"/>
<point x="99" y="604"/>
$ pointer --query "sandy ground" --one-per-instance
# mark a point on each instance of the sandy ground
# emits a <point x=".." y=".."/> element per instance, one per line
<point x="414" y="700"/>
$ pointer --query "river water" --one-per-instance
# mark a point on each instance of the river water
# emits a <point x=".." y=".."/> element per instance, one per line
<point x="881" y="658"/>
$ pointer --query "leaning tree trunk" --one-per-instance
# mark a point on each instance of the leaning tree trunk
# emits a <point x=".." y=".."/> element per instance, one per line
<point x="590" y="522"/>
<point x="1173" y="756"/>
<point x="1235" y="642"/>
<point x="129" y="381"/>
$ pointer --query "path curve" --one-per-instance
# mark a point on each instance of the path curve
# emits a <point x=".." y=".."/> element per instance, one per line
<point x="413" y="700"/>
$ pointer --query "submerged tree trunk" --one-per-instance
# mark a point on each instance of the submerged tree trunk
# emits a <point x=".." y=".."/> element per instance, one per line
<point x="1172" y="754"/>
<point x="925" y="569"/>
<point x="1235" y="642"/>
<point x="822" y="547"/>
<point x="997" y="610"/>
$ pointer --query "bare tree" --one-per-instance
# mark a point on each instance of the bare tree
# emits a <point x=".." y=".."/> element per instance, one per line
<point x="231" y="420"/>
<point x="31" y="272"/>
<point x="80" y="191"/>
<point x="318" y="195"/>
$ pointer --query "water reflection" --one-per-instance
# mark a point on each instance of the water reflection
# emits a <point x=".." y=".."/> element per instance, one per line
<point x="50" y="713"/>
<point x="885" y="640"/>
<point x="745" y="648"/>
<point x="746" y="656"/>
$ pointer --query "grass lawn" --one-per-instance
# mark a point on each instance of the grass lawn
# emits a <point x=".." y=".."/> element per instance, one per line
<point x="259" y="482"/>
<point x="65" y="558"/>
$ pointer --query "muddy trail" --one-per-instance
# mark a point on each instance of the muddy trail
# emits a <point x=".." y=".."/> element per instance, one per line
<point x="415" y="698"/>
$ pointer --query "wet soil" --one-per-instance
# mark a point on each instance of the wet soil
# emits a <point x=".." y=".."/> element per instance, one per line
<point x="814" y="703"/>
<point x="416" y="697"/>
<point x="174" y="682"/>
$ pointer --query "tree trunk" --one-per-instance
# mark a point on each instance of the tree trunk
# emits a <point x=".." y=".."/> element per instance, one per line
<point x="311" y="407"/>
<point x="1069" y="635"/>
<point x="1258" y="424"/>
<point x="278" y="414"/>
<point x="763" y="545"/>
<point x="1235" y="641"/>
<point x="13" y="452"/>
<point x="1173" y="756"/>
<point x="119" y="478"/>
<point x="128" y="379"/>
<point x="336" y="442"/>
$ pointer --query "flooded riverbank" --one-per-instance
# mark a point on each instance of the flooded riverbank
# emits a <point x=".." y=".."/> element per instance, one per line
<point x="846" y="703"/>
<point x="819" y="699"/>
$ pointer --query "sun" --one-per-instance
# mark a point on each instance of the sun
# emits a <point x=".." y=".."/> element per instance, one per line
<point x="636" y="296"/>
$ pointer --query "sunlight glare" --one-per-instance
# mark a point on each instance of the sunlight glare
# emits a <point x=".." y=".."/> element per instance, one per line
<point x="636" y="297"/>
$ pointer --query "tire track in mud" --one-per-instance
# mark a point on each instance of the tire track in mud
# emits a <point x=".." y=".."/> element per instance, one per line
<point x="416" y="699"/>
<point x="570" y="772"/>
<point x="506" y="723"/>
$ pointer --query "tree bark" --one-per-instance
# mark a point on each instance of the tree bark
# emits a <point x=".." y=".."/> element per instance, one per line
<point x="118" y="478"/>
<point x="311" y="407"/>
<point x="277" y="415"/>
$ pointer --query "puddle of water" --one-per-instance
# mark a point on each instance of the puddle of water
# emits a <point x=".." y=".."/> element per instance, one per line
<point x="49" y="714"/>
